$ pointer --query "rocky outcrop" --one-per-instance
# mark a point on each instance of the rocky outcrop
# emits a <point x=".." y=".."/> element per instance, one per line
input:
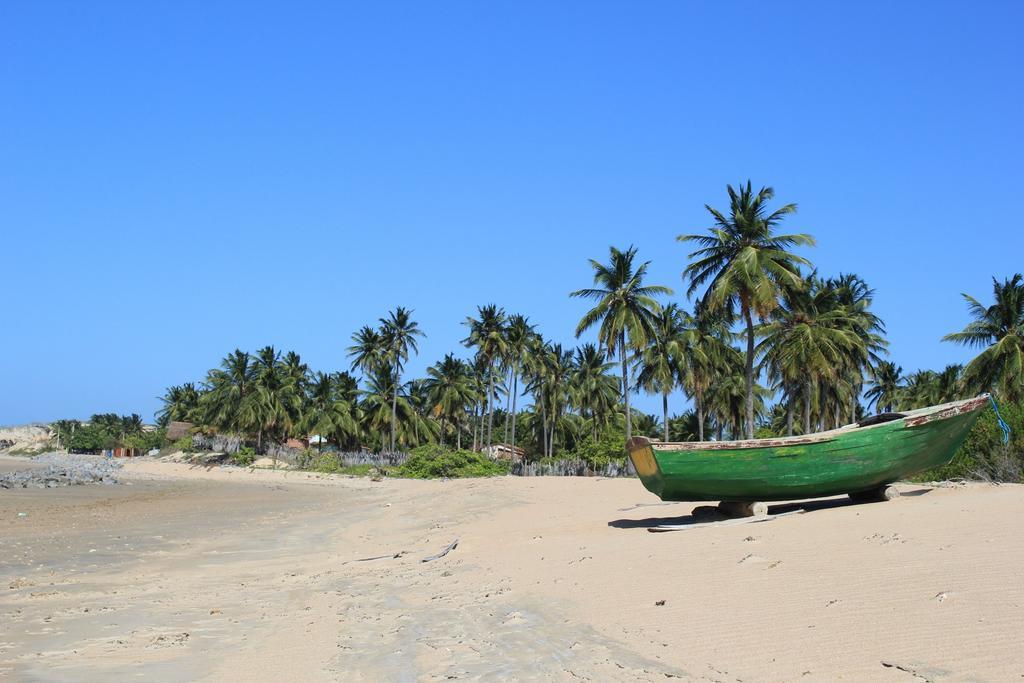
<point x="24" y="438"/>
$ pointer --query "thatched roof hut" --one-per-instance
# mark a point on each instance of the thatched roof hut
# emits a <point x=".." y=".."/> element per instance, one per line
<point x="177" y="430"/>
<point x="503" y="451"/>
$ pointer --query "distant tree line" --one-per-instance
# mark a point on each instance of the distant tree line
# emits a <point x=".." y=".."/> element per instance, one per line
<point x="104" y="432"/>
<point x="768" y="347"/>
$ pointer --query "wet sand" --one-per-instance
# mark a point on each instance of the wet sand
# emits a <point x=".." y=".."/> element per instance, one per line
<point x="226" y="574"/>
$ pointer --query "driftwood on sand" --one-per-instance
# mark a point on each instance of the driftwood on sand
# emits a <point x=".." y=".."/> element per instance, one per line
<point x="450" y="547"/>
<point x="390" y="556"/>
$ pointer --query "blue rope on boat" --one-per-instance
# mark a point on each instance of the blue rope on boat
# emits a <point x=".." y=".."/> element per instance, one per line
<point x="999" y="418"/>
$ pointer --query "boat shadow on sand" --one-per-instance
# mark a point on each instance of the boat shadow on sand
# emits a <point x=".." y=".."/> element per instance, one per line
<point x="703" y="514"/>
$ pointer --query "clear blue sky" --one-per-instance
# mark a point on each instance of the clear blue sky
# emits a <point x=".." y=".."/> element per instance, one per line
<point x="179" y="179"/>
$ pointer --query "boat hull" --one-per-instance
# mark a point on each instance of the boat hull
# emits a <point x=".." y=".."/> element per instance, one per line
<point x="848" y="460"/>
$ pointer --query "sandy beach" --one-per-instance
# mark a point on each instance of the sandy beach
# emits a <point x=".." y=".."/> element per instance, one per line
<point x="228" y="574"/>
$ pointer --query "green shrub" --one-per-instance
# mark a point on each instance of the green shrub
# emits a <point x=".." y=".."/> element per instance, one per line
<point x="607" y="448"/>
<point x="183" y="444"/>
<point x="244" y="457"/>
<point x="433" y="462"/>
<point x="328" y="463"/>
<point x="983" y="454"/>
<point x="28" y="452"/>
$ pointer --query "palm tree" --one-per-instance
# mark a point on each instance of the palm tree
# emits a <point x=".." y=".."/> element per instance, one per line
<point x="809" y="340"/>
<point x="273" y="406"/>
<point x="999" y="330"/>
<point x="660" y="362"/>
<point x="450" y="390"/>
<point x="180" y="404"/>
<point x="949" y="383"/>
<point x="727" y="399"/>
<point x="479" y="373"/>
<point x="854" y="293"/>
<point x="594" y="392"/>
<point x="626" y="311"/>
<point x="710" y="350"/>
<point x="518" y="333"/>
<point x="228" y="389"/>
<point x="557" y="375"/>
<point x="920" y="390"/>
<point x="686" y="427"/>
<point x="886" y="385"/>
<point x="328" y="413"/>
<point x="367" y="350"/>
<point x="744" y="262"/>
<point x="379" y="406"/>
<point x="398" y="336"/>
<point x="487" y="335"/>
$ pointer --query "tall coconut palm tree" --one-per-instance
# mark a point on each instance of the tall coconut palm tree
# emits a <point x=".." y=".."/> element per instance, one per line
<point x="594" y="392"/>
<point x="999" y="330"/>
<point x="378" y="407"/>
<point x="227" y="391"/>
<point x="809" y="339"/>
<point x="557" y="377"/>
<point x="710" y="354"/>
<point x="328" y="413"/>
<point x="273" y="407"/>
<point x="920" y="390"/>
<point x="626" y="311"/>
<point x="744" y="262"/>
<point x="727" y="399"/>
<point x="661" y="366"/>
<point x="854" y="293"/>
<point x="450" y="390"/>
<point x="886" y="385"/>
<point x="685" y="427"/>
<point x="398" y="335"/>
<point x="518" y="332"/>
<point x="487" y="335"/>
<point x="180" y="404"/>
<point x="367" y="350"/>
<point x="949" y="383"/>
<point x="297" y="371"/>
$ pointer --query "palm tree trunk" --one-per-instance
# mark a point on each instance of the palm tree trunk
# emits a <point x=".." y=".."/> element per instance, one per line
<point x="625" y="385"/>
<point x="442" y="430"/>
<point x="664" y="412"/>
<point x="508" y="405"/>
<point x="699" y="400"/>
<point x="394" y="409"/>
<point x="749" y="370"/>
<point x="544" y="432"/>
<point x="515" y="390"/>
<point x="807" y="408"/>
<point x="490" y="404"/>
<point x="789" y="416"/>
<point x="475" y="422"/>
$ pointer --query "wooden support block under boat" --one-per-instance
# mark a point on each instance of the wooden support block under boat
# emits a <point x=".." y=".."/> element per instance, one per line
<point x="877" y="495"/>
<point x="732" y="508"/>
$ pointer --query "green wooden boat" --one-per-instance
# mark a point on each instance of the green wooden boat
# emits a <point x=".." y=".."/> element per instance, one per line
<point x="859" y="459"/>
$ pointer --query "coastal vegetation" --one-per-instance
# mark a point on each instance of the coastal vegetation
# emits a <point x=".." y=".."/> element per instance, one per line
<point x="106" y="431"/>
<point x="763" y="345"/>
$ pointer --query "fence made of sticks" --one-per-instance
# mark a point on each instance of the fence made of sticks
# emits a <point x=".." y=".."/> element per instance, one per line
<point x="568" y="467"/>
